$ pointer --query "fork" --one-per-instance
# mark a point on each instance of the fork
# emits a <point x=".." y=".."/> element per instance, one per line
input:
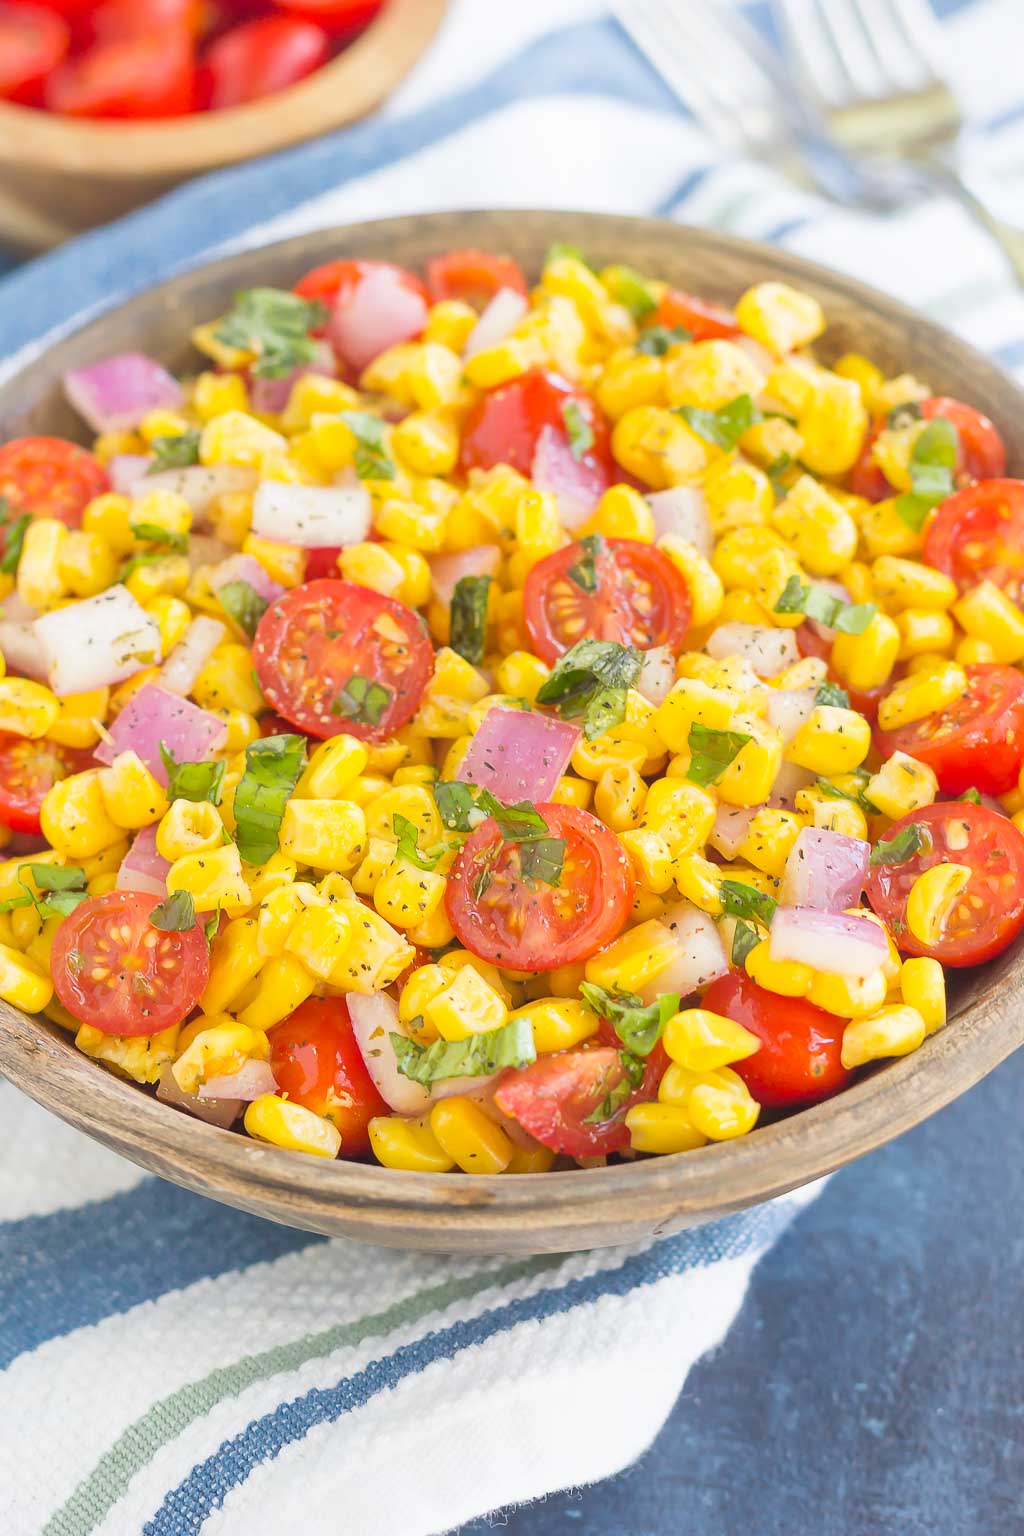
<point x="872" y="70"/>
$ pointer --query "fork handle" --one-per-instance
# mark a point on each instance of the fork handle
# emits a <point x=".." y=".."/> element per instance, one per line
<point x="1010" y="237"/>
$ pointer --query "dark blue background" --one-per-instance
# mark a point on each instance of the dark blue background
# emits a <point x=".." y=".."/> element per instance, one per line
<point x="873" y="1384"/>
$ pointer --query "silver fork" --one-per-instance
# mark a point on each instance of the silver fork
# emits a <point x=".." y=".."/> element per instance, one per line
<point x="872" y="69"/>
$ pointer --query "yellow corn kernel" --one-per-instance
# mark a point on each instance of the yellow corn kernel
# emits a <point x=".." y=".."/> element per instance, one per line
<point x="650" y="857"/>
<point x="79" y="718"/>
<point x="704" y="1041"/>
<point x="693" y="702"/>
<point x="213" y="879"/>
<point x="634" y="958"/>
<point x="781" y="318"/>
<point x="703" y="582"/>
<point x="323" y="834"/>
<point x="630" y="379"/>
<point x="823" y="534"/>
<point x="883" y="531"/>
<point x="830" y="741"/>
<point x="234" y="962"/>
<point x="284" y="563"/>
<point x="749" y="777"/>
<point x="291" y="1126"/>
<point x="215" y="393"/>
<point x="320" y="939"/>
<point x="27" y="708"/>
<point x="619" y="797"/>
<point x="407" y="895"/>
<point x="710" y="374"/>
<point x="698" y="880"/>
<point x="472" y="1141"/>
<point x="865" y="661"/>
<point x="238" y="438"/>
<point x="768" y="441"/>
<point x="23" y="984"/>
<point x="590" y="759"/>
<point x="923" y="630"/>
<point x="423" y="985"/>
<point x="788" y="978"/>
<point x="849" y="997"/>
<point x="332" y="769"/>
<point x="131" y="795"/>
<point x="165" y="510"/>
<point x="377" y="953"/>
<point x="413" y="802"/>
<point x="87" y="564"/>
<point x="109" y="516"/>
<point x="737" y="495"/>
<point x="987" y="613"/>
<point x="910" y="584"/>
<point x="227" y="681"/>
<point x="558" y="1022"/>
<point x="282" y="984"/>
<point x="530" y="1160"/>
<point x="622" y="513"/>
<point x="167" y="574"/>
<point x="740" y="554"/>
<point x="921" y="694"/>
<point x="449" y="323"/>
<point x="173" y="616"/>
<point x="279" y="911"/>
<point x="408" y="524"/>
<point x="833" y="425"/>
<point x="370" y="565"/>
<point x="831" y="815"/>
<point x="189" y="827"/>
<point x="933" y="898"/>
<point x="658" y="447"/>
<point x="662" y="1128"/>
<point x="973" y="652"/>
<point x="39" y="579"/>
<point x="108" y="445"/>
<point x="142" y="1058"/>
<point x="468" y="1005"/>
<point x="722" y="1113"/>
<point x="902" y="784"/>
<point x="863" y="372"/>
<point x="893" y="1031"/>
<point x="216" y="1047"/>
<point x="770" y="838"/>
<point x="427" y="442"/>
<point x="409" y="1145"/>
<point x="923" y="988"/>
<point x="74" y="817"/>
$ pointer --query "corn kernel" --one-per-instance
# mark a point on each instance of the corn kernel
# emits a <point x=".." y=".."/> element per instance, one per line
<point x="919" y="695"/>
<point x="662" y="1128"/>
<point x="923" y="988"/>
<point x="409" y="1145"/>
<point x="781" y="318"/>
<point x="473" y="1142"/>
<point x="703" y="1041"/>
<point x="987" y="613"/>
<point x="291" y="1126"/>
<point x="933" y="899"/>
<point x="902" y="784"/>
<point x="893" y="1031"/>
<point x="323" y="834"/>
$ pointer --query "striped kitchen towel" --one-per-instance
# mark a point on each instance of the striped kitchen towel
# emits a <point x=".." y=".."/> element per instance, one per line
<point x="173" y="1366"/>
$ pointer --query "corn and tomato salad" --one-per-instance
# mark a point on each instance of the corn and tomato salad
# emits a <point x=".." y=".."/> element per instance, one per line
<point x="495" y="729"/>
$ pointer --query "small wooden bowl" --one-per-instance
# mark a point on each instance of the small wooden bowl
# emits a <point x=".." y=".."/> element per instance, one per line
<point x="60" y="176"/>
<point x="559" y="1211"/>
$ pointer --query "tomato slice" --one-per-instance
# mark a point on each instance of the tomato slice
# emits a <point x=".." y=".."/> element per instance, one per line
<point x="328" y="636"/>
<point x="801" y="1045"/>
<point x="317" y="1063"/>
<point x="505" y="427"/>
<point x="473" y="276"/>
<point x="145" y="75"/>
<point x="32" y="44"/>
<point x="50" y="478"/>
<point x="522" y="923"/>
<point x="258" y="58"/>
<point x="990" y="912"/>
<point x="335" y="282"/>
<point x="555" y="1097"/>
<point x="978" y="535"/>
<point x="638" y="598"/>
<point x="978" y="742"/>
<point x="704" y="320"/>
<point x="113" y="970"/>
<point x="342" y="18"/>
<point x="28" y="771"/>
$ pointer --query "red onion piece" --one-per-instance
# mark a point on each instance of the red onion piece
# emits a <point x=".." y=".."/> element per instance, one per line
<point x="518" y="755"/>
<point x="788" y="708"/>
<point x="152" y="716"/>
<point x="788" y="782"/>
<point x="251" y="1080"/>
<point x="126" y="470"/>
<point x="380" y="312"/>
<point x="115" y="394"/>
<point x="142" y="868"/>
<point x="248" y="569"/>
<point x="312" y="516"/>
<point x="190" y="655"/>
<point x="272" y="395"/>
<point x="374" y="1020"/>
<point x="446" y="571"/>
<point x="200" y="484"/>
<point x="219" y="1112"/>
<point x="836" y="942"/>
<point x="769" y="651"/>
<point x="502" y="315"/>
<point x="103" y="639"/>
<point x="683" y="511"/>
<point x="732" y="823"/>
<point x="825" y="870"/>
<point x="577" y="485"/>
<point x="657" y="674"/>
<point x="700" y="956"/>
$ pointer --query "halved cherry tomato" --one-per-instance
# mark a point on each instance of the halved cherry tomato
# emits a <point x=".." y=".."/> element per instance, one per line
<point x="866" y="477"/>
<point x="705" y="320"/>
<point x="146" y="75"/>
<point x="112" y="969"/>
<point x="50" y="478"/>
<point x="555" y="1097"/>
<point x="322" y="562"/>
<point x="473" y="276"/>
<point x="342" y="18"/>
<point x="317" y="1063"/>
<point x="259" y="58"/>
<point x="28" y="770"/>
<point x="335" y="281"/>
<point x="505" y="426"/>
<point x="801" y="1045"/>
<point x="32" y="44"/>
<point x="638" y="598"/>
<point x="990" y="910"/>
<point x="978" y="742"/>
<point x="981" y="453"/>
<point x="978" y="535"/>
<point x="115" y="19"/>
<point x="326" y="636"/>
<point x="520" y="922"/>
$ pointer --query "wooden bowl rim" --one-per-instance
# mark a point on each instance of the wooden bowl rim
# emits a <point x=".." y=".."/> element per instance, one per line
<point x="656" y="1193"/>
<point x="343" y="90"/>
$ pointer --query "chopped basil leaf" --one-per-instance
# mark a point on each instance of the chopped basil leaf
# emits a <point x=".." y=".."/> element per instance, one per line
<point x="562" y="251"/>
<point x="469" y="617"/>
<point x="407" y="833"/>
<point x="211" y="925"/>
<point x="912" y="839"/>
<point x="372" y="460"/>
<point x="744" y="939"/>
<point x="362" y="700"/>
<point x="193" y="781"/>
<point x="656" y="339"/>
<point x="633" y="1073"/>
<point x="581" y="433"/>
<point x="476" y="1056"/>
<point x="13" y="539"/>
<point x="542" y="859"/>
<point x="275" y="325"/>
<point x="584" y="572"/>
<point x="175" y="915"/>
<point x="272" y="769"/>
<point x="832" y="695"/>
<point x="712" y="751"/>
<point x="56" y="877"/>
<point x="590" y="683"/>
<point x="63" y="889"/>
<point x="638" y="1025"/>
<point x="632" y="290"/>
<point x="518" y="823"/>
<point x="152" y="533"/>
<point x="176" y="452"/>
<point x="723" y="427"/>
<point x="857" y="796"/>
<point x="242" y="603"/>
<point x="903" y="414"/>
<point x="971" y="796"/>
<point x="739" y="900"/>
<point x="457" y="807"/>
<point x="817" y="602"/>
<point x="932" y="465"/>
<point x="776" y="469"/>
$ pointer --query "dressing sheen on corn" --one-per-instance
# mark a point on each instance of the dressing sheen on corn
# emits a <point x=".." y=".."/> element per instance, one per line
<point x="491" y="729"/>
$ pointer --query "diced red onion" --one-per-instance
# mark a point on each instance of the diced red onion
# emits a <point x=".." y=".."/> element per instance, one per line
<point x="577" y="486"/>
<point x="683" y="511"/>
<point x="732" y="823"/>
<point x="101" y="640"/>
<point x="836" y="590"/>
<point x="825" y="870"/>
<point x="200" y="484"/>
<point x="700" y="957"/>
<point x="789" y="779"/>
<point x="374" y="1020"/>
<point x="115" y="394"/>
<point x="220" y="1112"/>
<point x="126" y="470"/>
<point x="20" y="646"/>
<point x="788" y="708"/>
<point x="251" y="1080"/>
<point x="142" y="868"/>
<point x="378" y="313"/>
<point x="272" y="395"/>
<point x="657" y="674"/>
<point x="152" y="716"/>
<point x="836" y="942"/>
<point x="188" y="658"/>
<point x="502" y="315"/>
<point x="311" y="516"/>
<point x="446" y="571"/>
<point x="769" y="651"/>
<point x="518" y="755"/>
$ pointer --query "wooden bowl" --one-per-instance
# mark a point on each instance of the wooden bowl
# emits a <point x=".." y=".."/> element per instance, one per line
<point x="60" y="176"/>
<point x="559" y="1211"/>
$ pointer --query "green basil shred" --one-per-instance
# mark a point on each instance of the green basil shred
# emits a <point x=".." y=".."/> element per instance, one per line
<point x="469" y="617"/>
<point x="276" y="326"/>
<point x="193" y="781"/>
<point x="242" y="603"/>
<point x="272" y="769"/>
<point x="476" y="1056"/>
<point x="712" y="751"/>
<point x="590" y="683"/>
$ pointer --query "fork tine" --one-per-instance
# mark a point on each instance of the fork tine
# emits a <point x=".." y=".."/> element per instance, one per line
<point x="645" y="22"/>
<point x="893" y="38"/>
<point x="811" y="45"/>
<point x="852" y="47"/>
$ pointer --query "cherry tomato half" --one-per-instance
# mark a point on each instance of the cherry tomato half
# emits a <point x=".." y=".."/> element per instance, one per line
<point x="977" y="742"/>
<point x="333" y="657"/>
<point x="981" y="453"/>
<point x="555" y="1097"/>
<point x="317" y="1063"/>
<point x="632" y="593"/>
<point x="28" y="770"/>
<point x="473" y="276"/>
<point x="503" y="914"/>
<point x="801" y="1045"/>
<point x="342" y="18"/>
<point x="115" y="19"/>
<point x="506" y="425"/>
<point x="50" y="478"/>
<point x="113" y="970"/>
<point x="978" y="535"/>
<point x="990" y="911"/>
<point x="144" y="75"/>
<point x="32" y="44"/>
<point x="259" y="58"/>
<point x="335" y="282"/>
<point x="704" y="320"/>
